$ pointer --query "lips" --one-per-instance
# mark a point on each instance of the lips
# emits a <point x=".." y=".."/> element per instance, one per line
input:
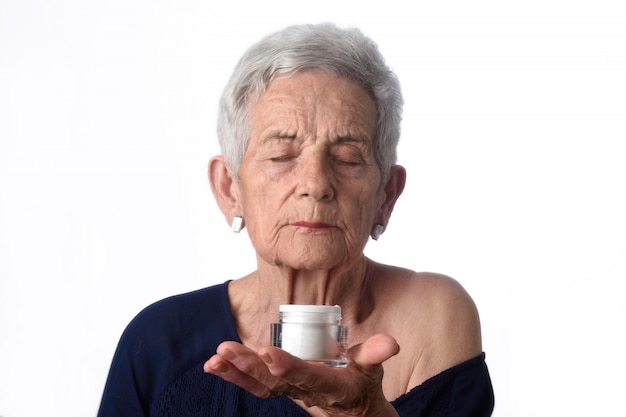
<point x="313" y="225"/>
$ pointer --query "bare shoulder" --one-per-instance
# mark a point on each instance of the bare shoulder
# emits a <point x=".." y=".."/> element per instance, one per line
<point x="440" y="325"/>
<point x="425" y="291"/>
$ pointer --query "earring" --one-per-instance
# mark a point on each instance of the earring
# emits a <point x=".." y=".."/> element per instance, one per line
<point x="237" y="224"/>
<point x="378" y="231"/>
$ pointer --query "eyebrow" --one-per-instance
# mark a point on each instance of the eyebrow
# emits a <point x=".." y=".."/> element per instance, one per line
<point x="347" y="139"/>
<point x="279" y="137"/>
<point x="338" y="140"/>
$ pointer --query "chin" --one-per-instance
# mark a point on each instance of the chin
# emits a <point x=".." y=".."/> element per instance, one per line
<point x="310" y="254"/>
<point x="315" y="260"/>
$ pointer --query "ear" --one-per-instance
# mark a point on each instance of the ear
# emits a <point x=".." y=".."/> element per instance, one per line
<point x="390" y="193"/>
<point x="225" y="187"/>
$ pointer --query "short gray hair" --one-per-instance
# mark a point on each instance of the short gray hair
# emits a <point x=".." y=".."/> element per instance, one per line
<point x="326" y="47"/>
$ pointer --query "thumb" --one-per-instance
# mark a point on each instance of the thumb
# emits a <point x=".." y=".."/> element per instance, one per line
<point x="370" y="354"/>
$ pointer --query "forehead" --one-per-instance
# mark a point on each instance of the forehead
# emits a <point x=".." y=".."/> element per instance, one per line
<point x="315" y="98"/>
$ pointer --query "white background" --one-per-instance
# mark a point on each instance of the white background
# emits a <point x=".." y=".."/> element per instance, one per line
<point x="513" y="138"/>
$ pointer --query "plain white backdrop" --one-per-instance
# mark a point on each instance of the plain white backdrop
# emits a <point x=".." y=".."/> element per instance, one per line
<point x="513" y="138"/>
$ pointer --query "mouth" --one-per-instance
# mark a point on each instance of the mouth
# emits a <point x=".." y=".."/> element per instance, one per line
<point x="313" y="225"/>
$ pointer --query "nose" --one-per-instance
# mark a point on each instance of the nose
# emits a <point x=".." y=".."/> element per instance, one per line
<point x="315" y="177"/>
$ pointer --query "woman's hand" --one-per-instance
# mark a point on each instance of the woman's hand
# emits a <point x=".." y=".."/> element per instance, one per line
<point x="352" y="391"/>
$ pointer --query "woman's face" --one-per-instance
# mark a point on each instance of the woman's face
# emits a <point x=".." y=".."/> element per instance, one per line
<point x="309" y="185"/>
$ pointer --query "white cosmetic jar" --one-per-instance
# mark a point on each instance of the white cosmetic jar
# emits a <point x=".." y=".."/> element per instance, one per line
<point x="312" y="333"/>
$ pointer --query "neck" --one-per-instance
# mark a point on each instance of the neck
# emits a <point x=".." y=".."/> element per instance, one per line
<point x="321" y="287"/>
<point x="255" y="298"/>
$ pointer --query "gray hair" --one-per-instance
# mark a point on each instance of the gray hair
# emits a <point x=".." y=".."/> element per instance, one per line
<point x="326" y="47"/>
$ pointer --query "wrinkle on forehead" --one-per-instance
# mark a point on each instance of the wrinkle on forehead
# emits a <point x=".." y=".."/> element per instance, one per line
<point x="315" y="103"/>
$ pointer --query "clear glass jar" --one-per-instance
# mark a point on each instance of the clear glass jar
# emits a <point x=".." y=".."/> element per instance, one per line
<point x="312" y="332"/>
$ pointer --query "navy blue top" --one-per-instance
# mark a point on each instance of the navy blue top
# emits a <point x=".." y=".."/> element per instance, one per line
<point x="157" y="370"/>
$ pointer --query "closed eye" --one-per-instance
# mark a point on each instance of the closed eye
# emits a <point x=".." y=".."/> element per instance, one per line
<point x="283" y="158"/>
<point x="347" y="162"/>
<point x="349" y="154"/>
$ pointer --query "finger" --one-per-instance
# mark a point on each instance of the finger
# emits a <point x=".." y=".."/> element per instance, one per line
<point x="284" y="365"/>
<point x="243" y="366"/>
<point x="370" y="354"/>
<point x="248" y="361"/>
<point x="219" y="366"/>
<point x="244" y="358"/>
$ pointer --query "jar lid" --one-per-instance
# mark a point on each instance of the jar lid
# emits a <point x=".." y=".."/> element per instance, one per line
<point x="307" y="308"/>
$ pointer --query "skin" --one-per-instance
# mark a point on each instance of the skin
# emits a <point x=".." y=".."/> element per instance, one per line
<point x="310" y="192"/>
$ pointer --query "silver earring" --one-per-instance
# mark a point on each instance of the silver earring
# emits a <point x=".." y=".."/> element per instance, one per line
<point x="237" y="224"/>
<point x="378" y="231"/>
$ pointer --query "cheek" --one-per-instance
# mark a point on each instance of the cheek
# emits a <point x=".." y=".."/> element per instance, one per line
<point x="262" y="207"/>
<point x="359" y="212"/>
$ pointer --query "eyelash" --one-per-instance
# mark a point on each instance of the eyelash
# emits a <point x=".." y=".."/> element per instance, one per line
<point x="284" y="158"/>
<point x="345" y="162"/>
<point x="339" y="161"/>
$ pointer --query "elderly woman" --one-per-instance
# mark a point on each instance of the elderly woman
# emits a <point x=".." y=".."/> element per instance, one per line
<point x="309" y="125"/>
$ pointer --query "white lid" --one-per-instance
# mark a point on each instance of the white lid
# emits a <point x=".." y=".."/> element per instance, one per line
<point x="307" y="308"/>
